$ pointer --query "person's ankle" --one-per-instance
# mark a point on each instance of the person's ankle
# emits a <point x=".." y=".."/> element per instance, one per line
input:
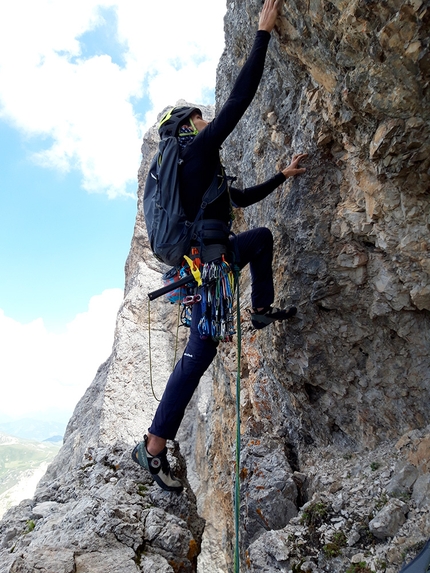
<point x="155" y="444"/>
<point x="260" y="309"/>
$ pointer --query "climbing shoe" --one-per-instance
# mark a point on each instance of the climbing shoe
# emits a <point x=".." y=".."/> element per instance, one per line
<point x="269" y="314"/>
<point x="157" y="465"/>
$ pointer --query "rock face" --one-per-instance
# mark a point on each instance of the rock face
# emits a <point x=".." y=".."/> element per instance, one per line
<point x="334" y="405"/>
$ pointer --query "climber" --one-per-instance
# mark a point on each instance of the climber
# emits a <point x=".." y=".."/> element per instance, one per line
<point x="200" y="142"/>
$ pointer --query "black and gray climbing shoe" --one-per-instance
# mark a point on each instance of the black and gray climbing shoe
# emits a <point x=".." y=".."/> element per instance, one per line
<point x="157" y="465"/>
<point x="269" y="314"/>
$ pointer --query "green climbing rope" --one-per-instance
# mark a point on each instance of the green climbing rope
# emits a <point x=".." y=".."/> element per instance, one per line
<point x="237" y="484"/>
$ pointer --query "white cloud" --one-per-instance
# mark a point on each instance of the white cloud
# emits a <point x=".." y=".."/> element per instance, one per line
<point x="41" y="370"/>
<point x="170" y="51"/>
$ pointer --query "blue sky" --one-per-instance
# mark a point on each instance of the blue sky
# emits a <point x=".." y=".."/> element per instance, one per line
<point x="59" y="244"/>
<point x="80" y="82"/>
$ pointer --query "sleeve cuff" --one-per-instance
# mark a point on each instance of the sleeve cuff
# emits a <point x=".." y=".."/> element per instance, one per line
<point x="263" y="34"/>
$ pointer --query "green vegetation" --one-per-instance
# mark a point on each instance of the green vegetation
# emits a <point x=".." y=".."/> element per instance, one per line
<point x="314" y="514"/>
<point x="383" y="500"/>
<point x="30" y="525"/>
<point x="297" y="567"/>
<point x="380" y="565"/>
<point x="334" y="547"/>
<point x="403" y="496"/>
<point x="375" y="466"/>
<point x="360" y="567"/>
<point x="141" y="489"/>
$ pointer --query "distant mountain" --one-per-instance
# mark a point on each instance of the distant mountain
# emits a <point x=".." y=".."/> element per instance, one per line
<point x="30" y="429"/>
<point x="22" y="464"/>
<point x="54" y="439"/>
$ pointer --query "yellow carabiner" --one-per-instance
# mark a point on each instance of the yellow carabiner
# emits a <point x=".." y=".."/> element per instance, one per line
<point x="194" y="270"/>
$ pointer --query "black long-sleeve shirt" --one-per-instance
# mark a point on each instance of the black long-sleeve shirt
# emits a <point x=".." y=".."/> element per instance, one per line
<point x="201" y="157"/>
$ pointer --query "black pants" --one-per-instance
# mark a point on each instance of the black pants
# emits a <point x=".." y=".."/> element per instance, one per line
<point x="255" y="248"/>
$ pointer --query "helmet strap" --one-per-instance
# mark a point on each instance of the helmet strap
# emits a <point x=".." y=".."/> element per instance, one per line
<point x="196" y="131"/>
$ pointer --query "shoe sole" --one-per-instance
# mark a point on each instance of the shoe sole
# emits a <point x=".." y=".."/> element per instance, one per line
<point x="161" y="483"/>
<point x="270" y="319"/>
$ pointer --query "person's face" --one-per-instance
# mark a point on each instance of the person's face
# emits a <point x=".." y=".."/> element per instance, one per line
<point x="198" y="121"/>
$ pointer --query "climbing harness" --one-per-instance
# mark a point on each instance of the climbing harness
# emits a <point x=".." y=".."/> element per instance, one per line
<point x="213" y="287"/>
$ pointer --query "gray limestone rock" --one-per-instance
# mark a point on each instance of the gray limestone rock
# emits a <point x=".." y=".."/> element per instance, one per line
<point x="116" y="561"/>
<point x="421" y="491"/>
<point x="270" y="553"/>
<point x="46" y="560"/>
<point x="403" y="479"/>
<point x="387" y="522"/>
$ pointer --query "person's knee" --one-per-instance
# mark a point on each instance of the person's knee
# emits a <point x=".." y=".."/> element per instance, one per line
<point x="265" y="241"/>
<point x="266" y="235"/>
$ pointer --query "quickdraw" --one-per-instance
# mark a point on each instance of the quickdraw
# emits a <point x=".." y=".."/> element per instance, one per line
<point x="217" y="301"/>
<point x="216" y="298"/>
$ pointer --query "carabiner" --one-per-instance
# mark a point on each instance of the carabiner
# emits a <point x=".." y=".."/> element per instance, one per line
<point x="192" y="299"/>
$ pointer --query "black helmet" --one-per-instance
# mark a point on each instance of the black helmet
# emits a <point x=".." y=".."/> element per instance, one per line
<point x="172" y="119"/>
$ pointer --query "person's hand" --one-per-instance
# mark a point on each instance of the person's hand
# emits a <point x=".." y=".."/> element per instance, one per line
<point x="268" y="15"/>
<point x="294" y="169"/>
